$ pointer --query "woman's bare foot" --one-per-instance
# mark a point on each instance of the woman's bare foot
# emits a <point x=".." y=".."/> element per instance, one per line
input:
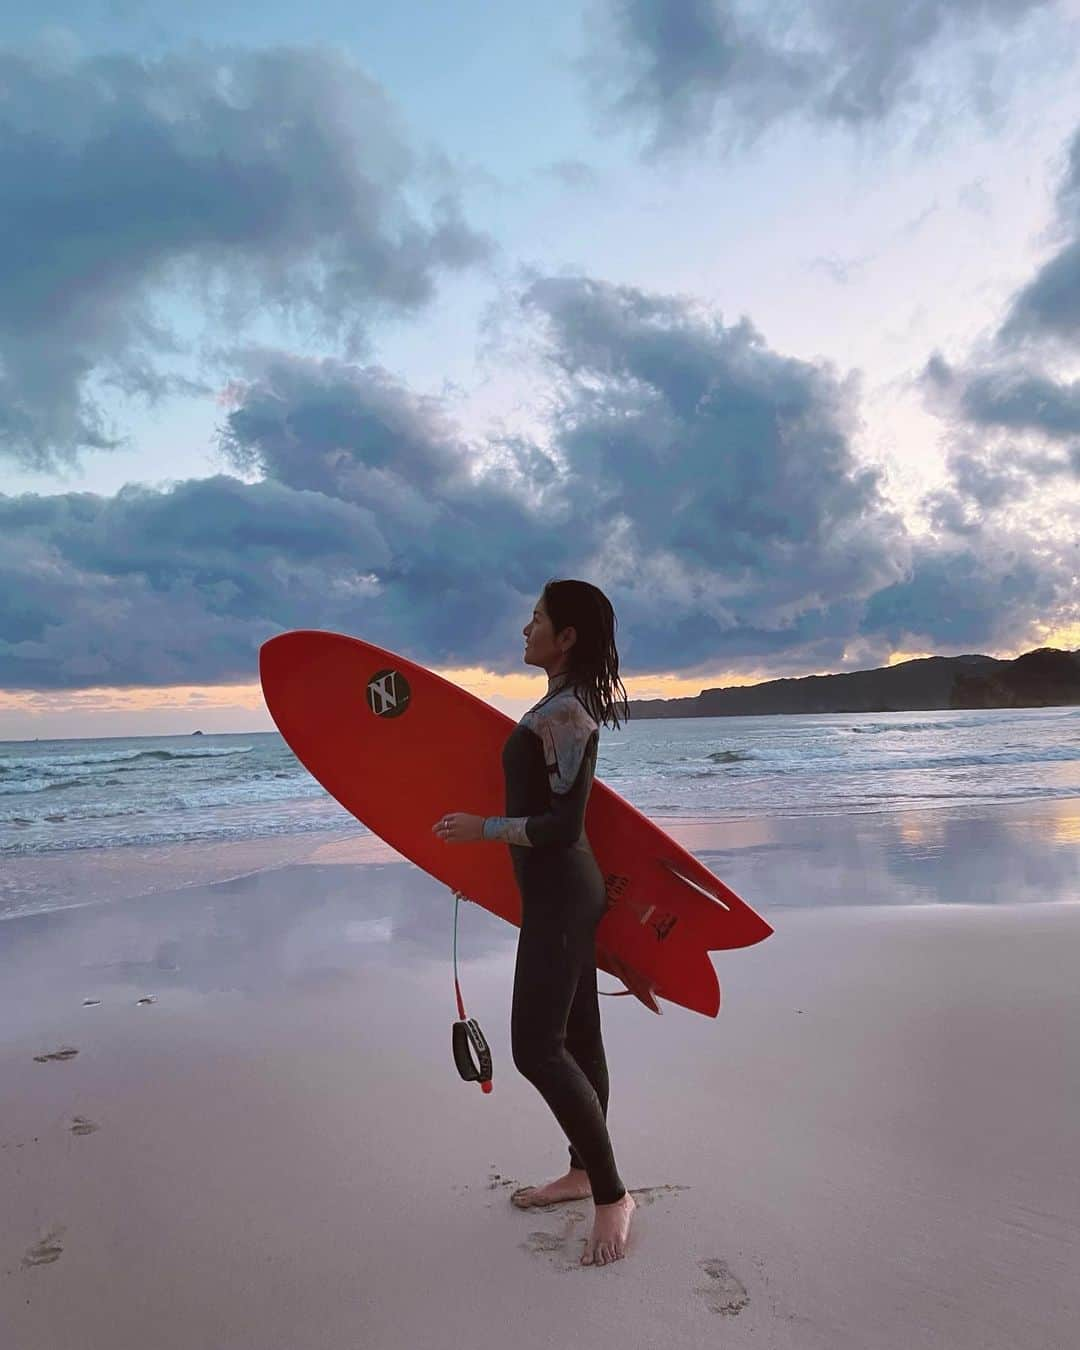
<point x="573" y="1186"/>
<point x="611" y="1228"/>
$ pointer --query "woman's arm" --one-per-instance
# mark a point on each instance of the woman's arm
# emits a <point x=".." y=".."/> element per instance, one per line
<point x="567" y="739"/>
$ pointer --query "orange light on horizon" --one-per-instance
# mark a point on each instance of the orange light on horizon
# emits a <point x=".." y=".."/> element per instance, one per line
<point x="24" y="712"/>
<point x="897" y="657"/>
<point x="1066" y="638"/>
<point x="111" y="698"/>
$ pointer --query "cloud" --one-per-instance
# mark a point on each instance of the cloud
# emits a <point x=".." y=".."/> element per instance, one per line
<point x="1012" y="396"/>
<point x="573" y="174"/>
<point x="1048" y="306"/>
<point x="981" y="593"/>
<point x="240" y="182"/>
<point x="1011" y="431"/>
<point x="703" y="66"/>
<point x="840" y="270"/>
<point x="705" y="481"/>
<point x="709" y="442"/>
<point x="1013" y="422"/>
<point x="740" y="525"/>
<point x="368" y="518"/>
<point x="975" y="197"/>
<point x="155" y="587"/>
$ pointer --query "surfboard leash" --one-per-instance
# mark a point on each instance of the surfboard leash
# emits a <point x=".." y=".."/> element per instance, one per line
<point x="467" y="1036"/>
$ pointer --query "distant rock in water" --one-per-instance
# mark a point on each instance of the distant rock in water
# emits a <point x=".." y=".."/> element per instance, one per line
<point x="1044" y="678"/>
<point x="196" y="733"/>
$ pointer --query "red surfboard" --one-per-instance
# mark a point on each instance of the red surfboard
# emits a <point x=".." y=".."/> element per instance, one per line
<point x="398" y="746"/>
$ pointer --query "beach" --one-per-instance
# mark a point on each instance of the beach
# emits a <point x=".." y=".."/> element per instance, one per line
<point x="872" y="1145"/>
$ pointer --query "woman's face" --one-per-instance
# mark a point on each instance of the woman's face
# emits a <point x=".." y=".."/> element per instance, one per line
<point x="541" y="649"/>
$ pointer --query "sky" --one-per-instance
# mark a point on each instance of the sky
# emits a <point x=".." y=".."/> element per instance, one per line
<point x="762" y="317"/>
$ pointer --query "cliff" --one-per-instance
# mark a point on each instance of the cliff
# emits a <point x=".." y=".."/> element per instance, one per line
<point x="1042" y="678"/>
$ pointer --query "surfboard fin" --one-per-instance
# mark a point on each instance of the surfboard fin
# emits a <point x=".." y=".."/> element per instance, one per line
<point x="635" y="982"/>
<point x="696" y="885"/>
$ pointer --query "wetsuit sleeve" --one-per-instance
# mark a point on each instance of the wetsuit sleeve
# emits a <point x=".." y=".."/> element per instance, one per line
<point x="568" y="740"/>
<point x="507" y="830"/>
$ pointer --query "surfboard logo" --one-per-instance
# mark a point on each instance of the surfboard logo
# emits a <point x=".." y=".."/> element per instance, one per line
<point x="660" y="921"/>
<point x="615" y="885"/>
<point x="388" y="693"/>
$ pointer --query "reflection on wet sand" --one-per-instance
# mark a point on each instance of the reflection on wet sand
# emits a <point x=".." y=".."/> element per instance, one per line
<point x="354" y="906"/>
<point x="977" y="855"/>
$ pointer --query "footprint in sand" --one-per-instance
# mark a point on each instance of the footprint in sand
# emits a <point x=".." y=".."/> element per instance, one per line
<point x="65" y="1052"/>
<point x="726" y="1293"/>
<point x="80" y="1125"/>
<point x="46" y="1251"/>
<point x="560" y="1246"/>
<point x="644" y="1195"/>
<point x="563" y="1245"/>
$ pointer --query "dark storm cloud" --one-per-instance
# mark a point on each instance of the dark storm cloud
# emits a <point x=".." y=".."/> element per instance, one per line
<point x="368" y="519"/>
<point x="1014" y="425"/>
<point x="151" y="588"/>
<point x="710" y="443"/>
<point x="700" y="66"/>
<point x="237" y="181"/>
<point x="338" y="428"/>
<point x="1048" y="306"/>
<point x="741" y="527"/>
<point x="468" y="549"/>
<point x="705" y="481"/>
<point x="981" y="593"/>
<point x="1010" y="431"/>
<point x="1009" y="396"/>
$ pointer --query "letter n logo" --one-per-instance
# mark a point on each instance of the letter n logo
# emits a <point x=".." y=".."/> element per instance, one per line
<point x="388" y="693"/>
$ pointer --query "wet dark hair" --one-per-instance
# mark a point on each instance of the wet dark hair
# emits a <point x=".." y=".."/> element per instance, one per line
<point x="592" y="661"/>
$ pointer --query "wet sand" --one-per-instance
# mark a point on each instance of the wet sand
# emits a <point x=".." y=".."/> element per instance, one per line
<point x="873" y="1145"/>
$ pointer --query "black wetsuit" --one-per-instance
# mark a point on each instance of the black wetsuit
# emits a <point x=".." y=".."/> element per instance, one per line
<point x="548" y="761"/>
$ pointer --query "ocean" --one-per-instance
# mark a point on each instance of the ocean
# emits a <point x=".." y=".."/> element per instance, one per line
<point x="59" y="798"/>
<point x="108" y="793"/>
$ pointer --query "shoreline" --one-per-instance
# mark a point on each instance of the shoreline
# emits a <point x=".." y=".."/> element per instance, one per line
<point x="1044" y="830"/>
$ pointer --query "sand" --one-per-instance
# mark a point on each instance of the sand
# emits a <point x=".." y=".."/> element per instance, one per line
<point x="873" y="1145"/>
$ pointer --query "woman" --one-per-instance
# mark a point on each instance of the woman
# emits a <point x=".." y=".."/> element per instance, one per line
<point x="548" y="762"/>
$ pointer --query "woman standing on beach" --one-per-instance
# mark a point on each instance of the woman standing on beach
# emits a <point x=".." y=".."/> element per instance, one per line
<point x="549" y="761"/>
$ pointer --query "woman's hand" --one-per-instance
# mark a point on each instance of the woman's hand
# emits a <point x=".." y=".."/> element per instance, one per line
<point x="458" y="828"/>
